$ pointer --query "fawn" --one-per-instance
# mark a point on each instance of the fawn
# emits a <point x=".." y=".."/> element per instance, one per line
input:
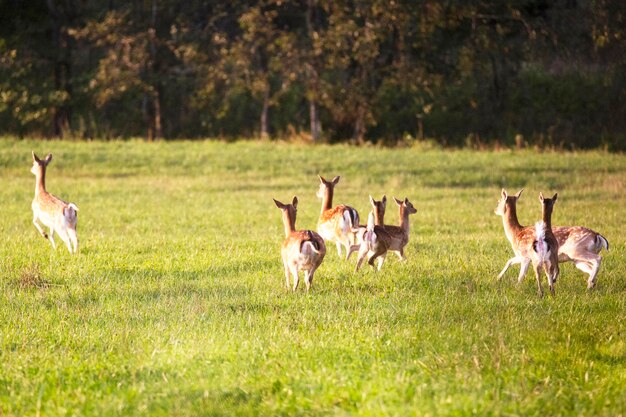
<point x="545" y="252"/>
<point x="52" y="212"/>
<point x="374" y="243"/>
<point x="576" y="244"/>
<point x="302" y="250"/>
<point x="337" y="224"/>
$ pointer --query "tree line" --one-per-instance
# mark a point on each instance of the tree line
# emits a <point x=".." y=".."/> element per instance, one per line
<point x="462" y="73"/>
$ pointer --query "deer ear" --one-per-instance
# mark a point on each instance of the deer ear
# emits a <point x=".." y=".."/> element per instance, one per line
<point x="294" y="202"/>
<point x="519" y="193"/>
<point x="406" y="200"/>
<point x="541" y="197"/>
<point x="384" y="200"/>
<point x="398" y="202"/>
<point x="336" y="179"/>
<point x="555" y="197"/>
<point x="372" y="201"/>
<point x="278" y="204"/>
<point x="504" y="194"/>
<point x="35" y="157"/>
<point x="322" y="179"/>
<point x="48" y="158"/>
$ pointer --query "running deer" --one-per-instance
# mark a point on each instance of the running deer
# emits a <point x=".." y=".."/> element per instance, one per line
<point x="375" y="242"/>
<point x="302" y="250"/>
<point x="337" y="224"/>
<point x="379" y="213"/>
<point x="51" y="211"/>
<point x="545" y="253"/>
<point x="576" y="244"/>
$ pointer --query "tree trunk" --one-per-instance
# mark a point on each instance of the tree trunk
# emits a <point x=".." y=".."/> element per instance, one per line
<point x="359" y="126"/>
<point x="61" y="68"/>
<point x="264" y="113"/>
<point x="156" y="99"/>
<point x="316" y="126"/>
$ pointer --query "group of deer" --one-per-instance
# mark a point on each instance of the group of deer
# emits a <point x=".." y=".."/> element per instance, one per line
<point x="304" y="250"/>
<point x="545" y="246"/>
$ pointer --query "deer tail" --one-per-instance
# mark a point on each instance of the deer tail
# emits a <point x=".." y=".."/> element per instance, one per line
<point x="540" y="245"/>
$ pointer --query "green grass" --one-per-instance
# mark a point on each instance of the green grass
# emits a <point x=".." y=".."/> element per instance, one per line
<point x="176" y="303"/>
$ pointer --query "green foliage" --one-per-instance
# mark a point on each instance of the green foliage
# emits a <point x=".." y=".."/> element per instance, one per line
<point x="175" y="304"/>
<point x="552" y="72"/>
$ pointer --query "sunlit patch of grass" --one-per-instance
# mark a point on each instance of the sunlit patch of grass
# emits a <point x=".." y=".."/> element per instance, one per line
<point x="175" y="304"/>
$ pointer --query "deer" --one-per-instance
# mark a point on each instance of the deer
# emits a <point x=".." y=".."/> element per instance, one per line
<point x="399" y="234"/>
<point x="582" y="246"/>
<point x="59" y="216"/>
<point x="336" y="224"/>
<point x="374" y="243"/>
<point x="528" y="242"/>
<point x="545" y="252"/>
<point x="379" y="213"/>
<point x="577" y="244"/>
<point x="302" y="250"/>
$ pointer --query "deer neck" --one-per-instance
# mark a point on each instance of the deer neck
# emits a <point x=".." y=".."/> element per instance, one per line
<point x="289" y="224"/>
<point x="379" y="218"/>
<point x="510" y="222"/>
<point x="327" y="201"/>
<point x="404" y="221"/>
<point x="546" y="216"/>
<point x="40" y="182"/>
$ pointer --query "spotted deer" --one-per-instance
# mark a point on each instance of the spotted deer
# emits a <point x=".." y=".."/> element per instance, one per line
<point x="59" y="216"/>
<point x="375" y="242"/>
<point x="336" y="224"/>
<point x="302" y="250"/>
<point x="582" y="246"/>
<point x="577" y="244"/>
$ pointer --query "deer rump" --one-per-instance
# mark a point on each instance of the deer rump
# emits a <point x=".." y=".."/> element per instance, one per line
<point x="540" y="246"/>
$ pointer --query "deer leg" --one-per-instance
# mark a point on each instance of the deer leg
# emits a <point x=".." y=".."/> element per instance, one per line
<point x="338" y="249"/>
<point x="73" y="238"/>
<point x="296" y="278"/>
<point x="381" y="260"/>
<point x="513" y="260"/>
<point x="65" y="238"/>
<point x="39" y="228"/>
<point x="537" y="268"/>
<point x="524" y="264"/>
<point x="353" y="248"/>
<point x="550" y="271"/>
<point x="362" y="253"/>
<point x="51" y="238"/>
<point x="308" y="278"/>
<point x="400" y="254"/>
<point x="379" y="252"/>
<point x="590" y="264"/>
<point x="287" y="274"/>
<point x="591" y="282"/>
<point x="348" y="246"/>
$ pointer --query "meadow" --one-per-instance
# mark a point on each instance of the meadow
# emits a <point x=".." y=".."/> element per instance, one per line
<point x="175" y="304"/>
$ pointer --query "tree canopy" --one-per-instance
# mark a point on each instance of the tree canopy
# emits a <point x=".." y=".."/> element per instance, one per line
<point x="551" y="73"/>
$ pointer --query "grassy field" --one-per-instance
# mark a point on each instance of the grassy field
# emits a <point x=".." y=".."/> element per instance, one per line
<point x="175" y="304"/>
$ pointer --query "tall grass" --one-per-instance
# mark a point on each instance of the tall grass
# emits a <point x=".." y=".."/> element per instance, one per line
<point x="176" y="303"/>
